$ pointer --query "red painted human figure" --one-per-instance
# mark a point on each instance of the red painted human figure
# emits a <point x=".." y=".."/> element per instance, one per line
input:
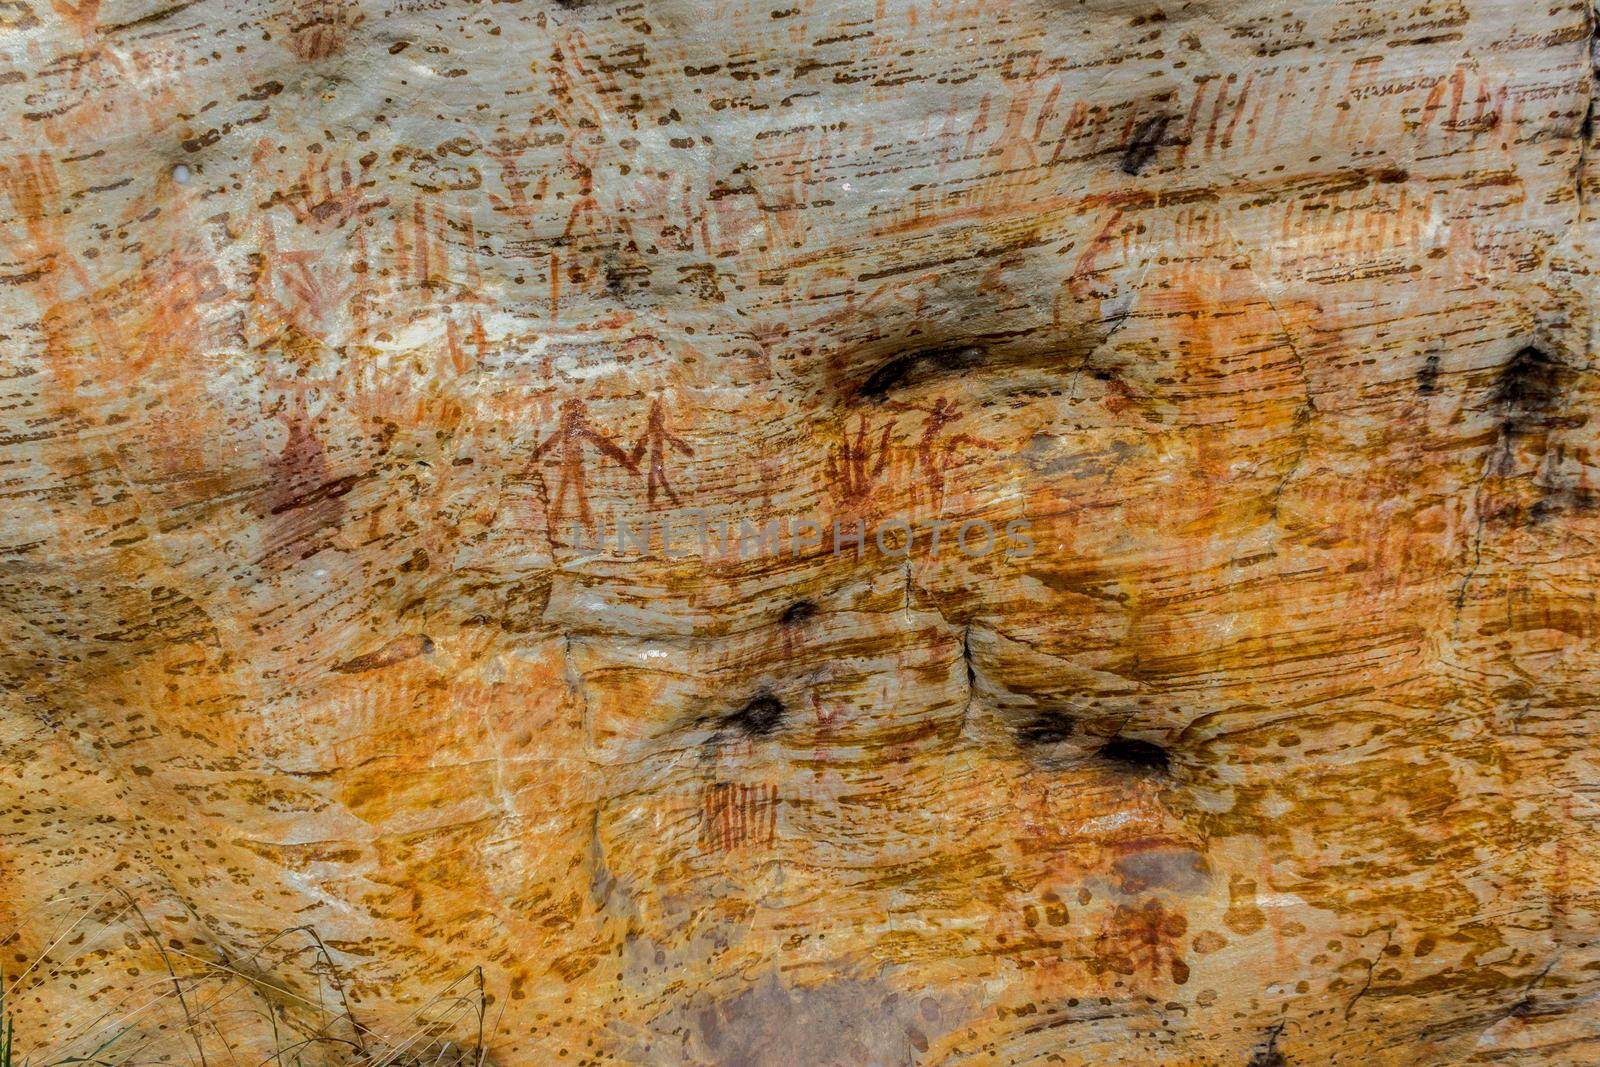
<point x="570" y="437"/>
<point x="935" y="456"/>
<point x="656" y="440"/>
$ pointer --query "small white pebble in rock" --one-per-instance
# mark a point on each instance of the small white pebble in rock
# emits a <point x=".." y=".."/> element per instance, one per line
<point x="180" y="174"/>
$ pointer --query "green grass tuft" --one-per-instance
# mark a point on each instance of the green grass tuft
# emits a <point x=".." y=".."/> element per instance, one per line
<point x="7" y="1038"/>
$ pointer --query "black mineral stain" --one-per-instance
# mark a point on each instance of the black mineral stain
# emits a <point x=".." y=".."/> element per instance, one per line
<point x="1135" y="755"/>
<point x="798" y="612"/>
<point x="1428" y="376"/>
<point x="759" y="718"/>
<point x="895" y="373"/>
<point x="1575" y="499"/>
<point x="1046" y="728"/>
<point x="1142" y="145"/>
<point x="1528" y="388"/>
<point x="1268" y="1055"/>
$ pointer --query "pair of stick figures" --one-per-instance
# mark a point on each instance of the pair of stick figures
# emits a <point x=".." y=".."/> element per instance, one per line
<point x="575" y="433"/>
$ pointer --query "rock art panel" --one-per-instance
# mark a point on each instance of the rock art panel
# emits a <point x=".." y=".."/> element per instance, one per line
<point x="815" y="532"/>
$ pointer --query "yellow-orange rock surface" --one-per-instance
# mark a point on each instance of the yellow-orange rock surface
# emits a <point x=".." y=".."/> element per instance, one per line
<point x="1269" y="326"/>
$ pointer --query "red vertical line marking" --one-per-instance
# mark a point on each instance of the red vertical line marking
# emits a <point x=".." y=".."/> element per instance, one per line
<point x="1482" y="102"/>
<point x="724" y="818"/>
<point x="1094" y="122"/>
<point x="705" y="821"/>
<point x="1500" y="109"/>
<point x="424" y="254"/>
<point x="772" y="817"/>
<point x="1046" y="111"/>
<point x="1126" y="133"/>
<point x="1279" y="108"/>
<point x="1371" y="130"/>
<point x="1516" y="113"/>
<point x="474" y="272"/>
<point x="712" y="815"/>
<point x="1216" y="116"/>
<point x="725" y="806"/>
<point x="686" y="210"/>
<point x="1458" y="89"/>
<point x="441" y="243"/>
<point x="555" y="284"/>
<point x="452" y="346"/>
<point x="480" y="338"/>
<point x="1238" y="111"/>
<point x="1252" y="125"/>
<point x="402" y="248"/>
<point x="1322" y="101"/>
<point x="980" y="124"/>
<point x="1343" y="115"/>
<point x="1356" y="79"/>
<point x="1434" y="102"/>
<point x="1350" y="214"/>
<point x="1068" y="128"/>
<point x="713" y="831"/>
<point x="1193" y="116"/>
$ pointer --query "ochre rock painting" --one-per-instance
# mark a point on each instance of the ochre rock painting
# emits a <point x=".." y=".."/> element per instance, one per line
<point x="860" y="532"/>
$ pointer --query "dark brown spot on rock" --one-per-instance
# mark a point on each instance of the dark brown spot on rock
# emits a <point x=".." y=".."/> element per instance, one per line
<point x="1131" y="754"/>
<point x="1141" y="147"/>
<point x="1528" y="388"/>
<point x="761" y="717"/>
<point x="1428" y="376"/>
<point x="898" y="371"/>
<point x="798" y="612"/>
<point x="1045" y="728"/>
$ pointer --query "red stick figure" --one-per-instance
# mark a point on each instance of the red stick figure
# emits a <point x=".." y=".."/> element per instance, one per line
<point x="657" y="439"/>
<point x="935" y="457"/>
<point x="571" y="434"/>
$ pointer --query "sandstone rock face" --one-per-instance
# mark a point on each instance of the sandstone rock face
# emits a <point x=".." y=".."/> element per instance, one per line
<point x="1260" y="731"/>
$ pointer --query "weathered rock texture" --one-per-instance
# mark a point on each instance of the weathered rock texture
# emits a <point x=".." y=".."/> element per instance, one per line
<point x="323" y="323"/>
